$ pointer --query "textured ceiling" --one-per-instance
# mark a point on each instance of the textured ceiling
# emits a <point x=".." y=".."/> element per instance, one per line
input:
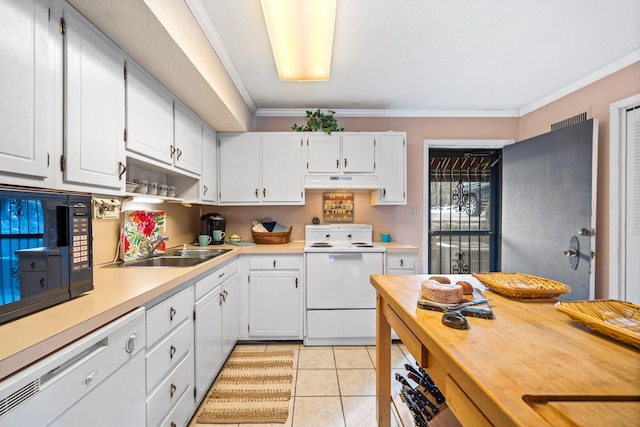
<point x="434" y="57"/>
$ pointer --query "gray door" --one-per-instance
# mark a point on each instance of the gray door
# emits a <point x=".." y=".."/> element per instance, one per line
<point x="547" y="207"/>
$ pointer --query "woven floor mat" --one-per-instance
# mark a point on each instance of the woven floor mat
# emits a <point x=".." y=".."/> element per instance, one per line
<point x="253" y="387"/>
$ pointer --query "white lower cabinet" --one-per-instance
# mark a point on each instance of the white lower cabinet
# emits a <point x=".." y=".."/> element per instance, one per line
<point x="170" y="360"/>
<point x="401" y="263"/>
<point x="216" y="323"/>
<point x="275" y="297"/>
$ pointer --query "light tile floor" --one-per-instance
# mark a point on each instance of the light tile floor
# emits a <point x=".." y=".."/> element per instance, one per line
<point x="333" y="386"/>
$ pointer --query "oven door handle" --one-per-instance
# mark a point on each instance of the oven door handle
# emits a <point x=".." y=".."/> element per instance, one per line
<point x="333" y="255"/>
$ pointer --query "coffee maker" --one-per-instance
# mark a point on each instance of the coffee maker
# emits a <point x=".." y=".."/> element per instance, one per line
<point x="209" y="223"/>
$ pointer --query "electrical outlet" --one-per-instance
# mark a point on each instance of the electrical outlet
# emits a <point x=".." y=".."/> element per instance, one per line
<point x="413" y="213"/>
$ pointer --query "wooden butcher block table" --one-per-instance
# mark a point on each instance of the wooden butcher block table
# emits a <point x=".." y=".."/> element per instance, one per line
<point x="529" y="366"/>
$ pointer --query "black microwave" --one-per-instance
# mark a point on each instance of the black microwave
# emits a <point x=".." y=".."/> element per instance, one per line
<point x="45" y="250"/>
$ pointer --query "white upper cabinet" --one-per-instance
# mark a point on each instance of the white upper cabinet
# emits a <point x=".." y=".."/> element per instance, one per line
<point x="323" y="153"/>
<point x="358" y="153"/>
<point x="94" y="116"/>
<point x="257" y="168"/>
<point x="187" y="149"/>
<point x="209" y="178"/>
<point x="282" y="168"/>
<point x="149" y="117"/>
<point x="346" y="153"/>
<point x="393" y="171"/>
<point x="26" y="104"/>
<point x="239" y="168"/>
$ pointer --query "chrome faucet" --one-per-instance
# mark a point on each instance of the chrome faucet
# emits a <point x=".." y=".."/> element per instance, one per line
<point x="153" y="247"/>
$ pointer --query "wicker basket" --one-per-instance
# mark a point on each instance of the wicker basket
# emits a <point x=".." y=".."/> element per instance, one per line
<point x="618" y="319"/>
<point x="517" y="285"/>
<point x="273" y="238"/>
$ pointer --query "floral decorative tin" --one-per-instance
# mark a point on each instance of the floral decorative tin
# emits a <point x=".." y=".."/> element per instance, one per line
<point x="141" y="230"/>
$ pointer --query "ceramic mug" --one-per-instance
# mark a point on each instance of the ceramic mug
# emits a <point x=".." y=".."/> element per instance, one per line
<point x="142" y="187"/>
<point x="385" y="237"/>
<point x="204" y="240"/>
<point x="162" y="189"/>
<point x="171" y="191"/>
<point x="153" y="188"/>
<point x="218" y="235"/>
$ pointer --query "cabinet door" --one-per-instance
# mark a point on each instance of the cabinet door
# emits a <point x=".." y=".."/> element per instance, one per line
<point x="187" y="140"/>
<point x="323" y="154"/>
<point x="94" y="107"/>
<point x="274" y="304"/>
<point x="358" y="153"/>
<point x="208" y="339"/>
<point x="393" y="175"/>
<point x="240" y="168"/>
<point x="230" y="314"/>
<point x="282" y="168"/>
<point x="149" y="116"/>
<point x="25" y="105"/>
<point x="209" y="178"/>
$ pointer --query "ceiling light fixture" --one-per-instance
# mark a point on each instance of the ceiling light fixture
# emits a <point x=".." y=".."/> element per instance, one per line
<point x="301" y="34"/>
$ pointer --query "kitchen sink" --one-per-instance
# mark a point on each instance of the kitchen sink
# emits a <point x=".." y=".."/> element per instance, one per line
<point x="176" y="259"/>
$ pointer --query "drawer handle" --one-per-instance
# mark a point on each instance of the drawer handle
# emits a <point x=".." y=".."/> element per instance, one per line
<point x="173" y="424"/>
<point x="220" y="275"/>
<point x="33" y="265"/>
<point x="345" y="162"/>
<point x="172" y="313"/>
<point x="173" y="389"/>
<point x="225" y="294"/>
<point x="401" y="263"/>
<point x="222" y="297"/>
<point x="274" y="263"/>
<point x="172" y="351"/>
<point x="42" y="282"/>
<point x="179" y="153"/>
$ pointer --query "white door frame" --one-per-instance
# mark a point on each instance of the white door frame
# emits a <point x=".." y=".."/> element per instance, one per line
<point x="458" y="144"/>
<point x="617" y="195"/>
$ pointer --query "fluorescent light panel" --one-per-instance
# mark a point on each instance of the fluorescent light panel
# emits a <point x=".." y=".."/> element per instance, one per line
<point x="301" y="34"/>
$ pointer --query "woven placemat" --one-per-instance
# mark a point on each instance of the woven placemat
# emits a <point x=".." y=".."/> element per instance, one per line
<point x="253" y="387"/>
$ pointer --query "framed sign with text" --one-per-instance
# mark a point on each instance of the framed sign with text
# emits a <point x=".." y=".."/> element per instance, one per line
<point x="337" y="207"/>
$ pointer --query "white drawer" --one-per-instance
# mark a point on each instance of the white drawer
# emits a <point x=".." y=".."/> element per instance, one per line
<point x="170" y="391"/>
<point x="181" y="414"/>
<point x="168" y="352"/>
<point x="208" y="283"/>
<point x="401" y="261"/>
<point x="169" y="314"/>
<point x="277" y="262"/>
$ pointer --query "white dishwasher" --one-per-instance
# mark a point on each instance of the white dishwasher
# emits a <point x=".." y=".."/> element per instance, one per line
<point x="98" y="380"/>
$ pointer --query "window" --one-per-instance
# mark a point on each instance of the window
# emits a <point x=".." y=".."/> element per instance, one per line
<point x="22" y="227"/>
<point x="463" y="210"/>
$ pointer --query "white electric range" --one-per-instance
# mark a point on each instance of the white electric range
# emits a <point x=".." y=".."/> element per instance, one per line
<point x="340" y="301"/>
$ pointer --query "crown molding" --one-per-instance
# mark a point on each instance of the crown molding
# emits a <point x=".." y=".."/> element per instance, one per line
<point x="617" y="65"/>
<point x="301" y="112"/>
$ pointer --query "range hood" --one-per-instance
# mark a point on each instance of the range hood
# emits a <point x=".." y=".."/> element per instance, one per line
<point x="339" y="182"/>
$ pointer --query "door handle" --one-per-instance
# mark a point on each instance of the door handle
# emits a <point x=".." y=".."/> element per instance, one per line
<point x="570" y="252"/>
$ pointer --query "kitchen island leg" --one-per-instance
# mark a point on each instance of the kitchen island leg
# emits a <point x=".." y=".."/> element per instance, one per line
<point x="383" y="366"/>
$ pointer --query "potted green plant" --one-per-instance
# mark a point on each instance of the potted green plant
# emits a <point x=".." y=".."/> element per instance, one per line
<point x="319" y="121"/>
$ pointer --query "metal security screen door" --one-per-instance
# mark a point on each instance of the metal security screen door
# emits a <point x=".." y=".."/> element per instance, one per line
<point x="463" y="210"/>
